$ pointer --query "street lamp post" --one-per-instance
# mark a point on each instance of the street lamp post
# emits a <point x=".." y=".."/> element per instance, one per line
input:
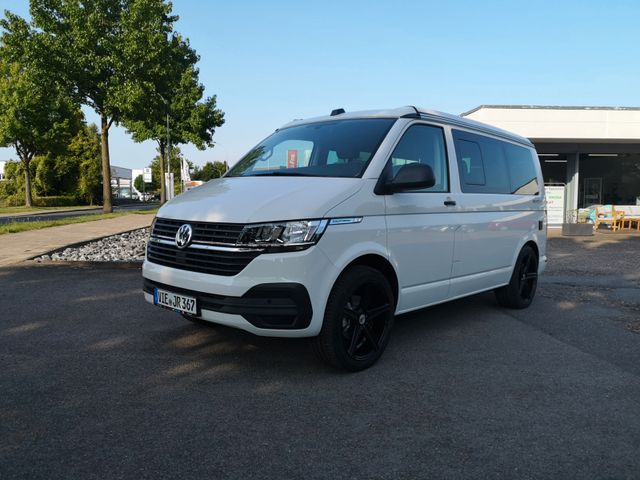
<point x="167" y="186"/>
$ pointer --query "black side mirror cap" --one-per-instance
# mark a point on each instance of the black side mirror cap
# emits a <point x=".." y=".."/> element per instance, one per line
<point x="413" y="176"/>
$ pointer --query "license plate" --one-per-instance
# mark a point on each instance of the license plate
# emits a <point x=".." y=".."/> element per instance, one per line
<point x="175" y="301"/>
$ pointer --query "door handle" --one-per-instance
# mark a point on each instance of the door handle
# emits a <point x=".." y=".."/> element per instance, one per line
<point x="450" y="203"/>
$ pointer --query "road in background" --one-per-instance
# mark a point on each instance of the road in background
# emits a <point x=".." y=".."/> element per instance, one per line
<point x="45" y="216"/>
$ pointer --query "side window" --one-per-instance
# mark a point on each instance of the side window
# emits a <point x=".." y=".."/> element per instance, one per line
<point x="495" y="165"/>
<point x="524" y="180"/>
<point x="423" y="144"/>
<point x="470" y="163"/>
<point x="482" y="163"/>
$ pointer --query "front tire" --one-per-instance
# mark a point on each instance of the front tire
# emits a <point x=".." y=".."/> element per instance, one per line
<point x="358" y="319"/>
<point x="521" y="289"/>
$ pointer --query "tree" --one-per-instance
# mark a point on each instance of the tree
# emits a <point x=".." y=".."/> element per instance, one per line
<point x="107" y="52"/>
<point x="178" y="95"/>
<point x="36" y="116"/>
<point x="146" y="187"/>
<point x="85" y="148"/>
<point x="12" y="187"/>
<point x="210" y="170"/>
<point x="74" y="173"/>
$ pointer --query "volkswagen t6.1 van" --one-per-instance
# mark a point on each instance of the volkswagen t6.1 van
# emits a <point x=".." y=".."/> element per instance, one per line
<point x="331" y="226"/>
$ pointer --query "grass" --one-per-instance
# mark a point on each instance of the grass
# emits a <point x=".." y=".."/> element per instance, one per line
<point x="23" y="209"/>
<point x="15" y="227"/>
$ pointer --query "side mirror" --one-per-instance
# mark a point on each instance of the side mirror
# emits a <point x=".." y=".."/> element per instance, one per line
<point x="413" y="176"/>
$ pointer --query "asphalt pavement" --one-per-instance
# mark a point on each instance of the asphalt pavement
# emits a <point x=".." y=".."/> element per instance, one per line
<point x="97" y="384"/>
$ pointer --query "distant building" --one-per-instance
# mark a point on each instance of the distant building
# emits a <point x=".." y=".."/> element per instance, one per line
<point x="2" y="164"/>
<point x="594" y="152"/>
<point x="121" y="182"/>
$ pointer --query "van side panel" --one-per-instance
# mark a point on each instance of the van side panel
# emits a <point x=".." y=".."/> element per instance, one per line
<point x="501" y="207"/>
<point x="486" y="241"/>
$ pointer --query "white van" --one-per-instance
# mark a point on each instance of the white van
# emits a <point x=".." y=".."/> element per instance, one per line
<point x="331" y="226"/>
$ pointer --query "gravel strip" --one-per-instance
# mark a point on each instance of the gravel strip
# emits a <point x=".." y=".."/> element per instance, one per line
<point x="124" y="247"/>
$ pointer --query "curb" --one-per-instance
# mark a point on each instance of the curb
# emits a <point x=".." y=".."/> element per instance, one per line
<point x="118" y="265"/>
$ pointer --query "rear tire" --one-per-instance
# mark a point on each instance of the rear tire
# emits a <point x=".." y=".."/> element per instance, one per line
<point x="521" y="289"/>
<point x="357" y="321"/>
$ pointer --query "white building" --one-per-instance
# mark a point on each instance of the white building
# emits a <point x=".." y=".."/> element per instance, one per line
<point x="121" y="182"/>
<point x="2" y="164"/>
<point x="593" y="151"/>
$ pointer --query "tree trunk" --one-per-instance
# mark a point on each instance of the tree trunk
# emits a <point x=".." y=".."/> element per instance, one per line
<point x="107" y="205"/>
<point x="163" y="190"/>
<point x="28" y="199"/>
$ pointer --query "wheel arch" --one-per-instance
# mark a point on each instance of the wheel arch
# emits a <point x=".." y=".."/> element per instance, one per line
<point x="533" y="245"/>
<point x="531" y="241"/>
<point x="381" y="264"/>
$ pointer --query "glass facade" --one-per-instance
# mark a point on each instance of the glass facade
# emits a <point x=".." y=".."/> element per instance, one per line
<point x="603" y="178"/>
<point x="609" y="179"/>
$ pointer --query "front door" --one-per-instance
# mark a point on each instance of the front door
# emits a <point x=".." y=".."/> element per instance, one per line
<point x="419" y="231"/>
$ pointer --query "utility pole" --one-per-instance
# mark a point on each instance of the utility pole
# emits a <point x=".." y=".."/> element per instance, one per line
<point x="168" y="145"/>
<point x="168" y="180"/>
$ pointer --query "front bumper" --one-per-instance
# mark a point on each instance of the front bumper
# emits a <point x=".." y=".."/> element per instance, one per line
<point x="274" y="305"/>
<point x="242" y="301"/>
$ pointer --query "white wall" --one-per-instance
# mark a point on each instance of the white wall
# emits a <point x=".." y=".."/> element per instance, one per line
<point x="579" y="124"/>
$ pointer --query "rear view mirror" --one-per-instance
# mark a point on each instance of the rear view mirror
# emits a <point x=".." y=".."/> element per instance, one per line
<point x="413" y="176"/>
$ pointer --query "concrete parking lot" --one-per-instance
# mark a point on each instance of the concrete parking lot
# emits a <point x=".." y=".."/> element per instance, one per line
<point x="97" y="384"/>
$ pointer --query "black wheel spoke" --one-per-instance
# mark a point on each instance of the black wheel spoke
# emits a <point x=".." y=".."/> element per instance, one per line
<point x="370" y="337"/>
<point x="531" y="276"/>
<point x="375" y="312"/>
<point x="350" y="314"/>
<point x="355" y="337"/>
<point x="529" y="263"/>
<point x="523" y="288"/>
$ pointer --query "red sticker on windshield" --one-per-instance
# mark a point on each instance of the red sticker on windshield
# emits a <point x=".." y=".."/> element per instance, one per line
<point x="292" y="158"/>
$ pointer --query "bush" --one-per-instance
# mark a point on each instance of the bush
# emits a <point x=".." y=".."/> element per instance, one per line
<point x="14" y="200"/>
<point x="57" y="201"/>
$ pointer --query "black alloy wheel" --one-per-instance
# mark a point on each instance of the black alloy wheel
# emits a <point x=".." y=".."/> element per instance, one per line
<point x="521" y="289"/>
<point x="358" y="319"/>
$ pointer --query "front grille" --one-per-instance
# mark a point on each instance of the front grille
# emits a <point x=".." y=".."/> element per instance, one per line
<point x="162" y="250"/>
<point x="225" y="233"/>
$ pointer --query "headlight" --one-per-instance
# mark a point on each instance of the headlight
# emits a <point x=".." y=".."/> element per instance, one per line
<point x="280" y="236"/>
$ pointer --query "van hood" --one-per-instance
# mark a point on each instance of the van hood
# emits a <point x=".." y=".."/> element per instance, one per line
<point x="260" y="199"/>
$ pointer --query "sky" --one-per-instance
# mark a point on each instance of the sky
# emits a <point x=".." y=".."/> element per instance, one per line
<point x="270" y="62"/>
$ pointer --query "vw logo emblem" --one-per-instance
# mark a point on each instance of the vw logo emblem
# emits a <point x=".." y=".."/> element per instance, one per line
<point x="183" y="236"/>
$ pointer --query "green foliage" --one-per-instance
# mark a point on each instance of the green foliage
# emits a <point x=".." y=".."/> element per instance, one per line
<point x="85" y="149"/>
<point x="154" y="186"/>
<point x="75" y="174"/>
<point x="109" y="53"/>
<point x="56" y="201"/>
<point x="210" y="170"/>
<point x="36" y="117"/>
<point x="12" y="188"/>
<point x="177" y="94"/>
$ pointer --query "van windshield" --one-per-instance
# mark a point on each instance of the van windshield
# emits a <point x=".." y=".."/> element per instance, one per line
<point x="337" y="148"/>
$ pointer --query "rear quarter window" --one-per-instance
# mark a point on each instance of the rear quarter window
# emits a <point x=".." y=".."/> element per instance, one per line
<point x="522" y="171"/>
